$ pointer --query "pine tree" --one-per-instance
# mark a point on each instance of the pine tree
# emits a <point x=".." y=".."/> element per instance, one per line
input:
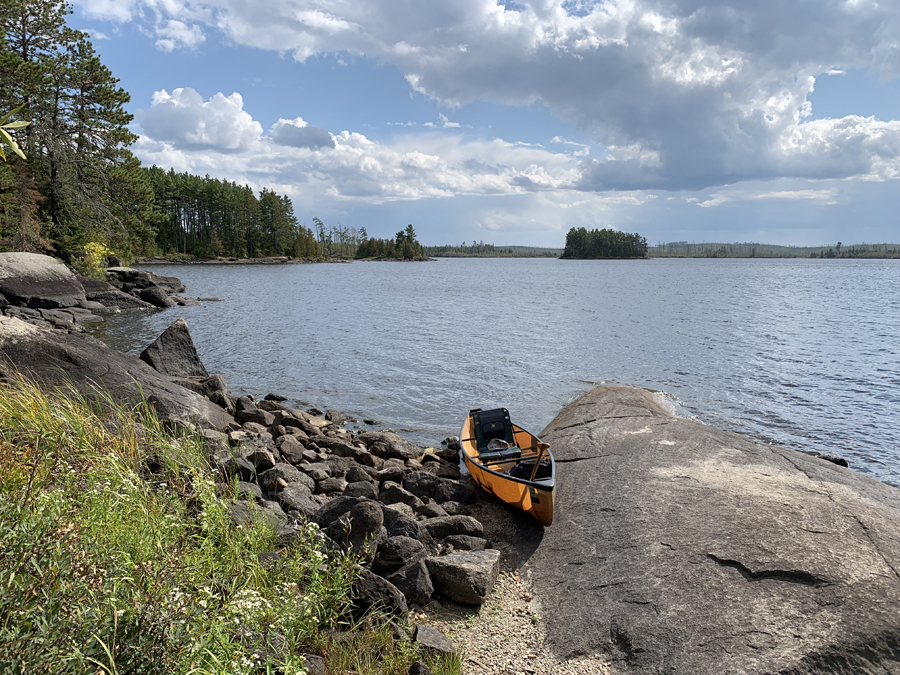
<point x="77" y="140"/>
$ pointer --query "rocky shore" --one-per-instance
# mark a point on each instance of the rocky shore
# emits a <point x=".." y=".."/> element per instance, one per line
<point x="402" y="508"/>
<point x="676" y="548"/>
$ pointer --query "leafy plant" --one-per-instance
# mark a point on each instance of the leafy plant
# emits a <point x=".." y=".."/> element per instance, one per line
<point x="5" y="139"/>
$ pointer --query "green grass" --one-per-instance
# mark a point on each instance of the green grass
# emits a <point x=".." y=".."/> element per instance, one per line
<point x="109" y="567"/>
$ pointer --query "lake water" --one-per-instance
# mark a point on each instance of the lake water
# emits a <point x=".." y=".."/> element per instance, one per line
<point x="799" y="352"/>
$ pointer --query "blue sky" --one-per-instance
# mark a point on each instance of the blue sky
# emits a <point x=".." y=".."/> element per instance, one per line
<point x="680" y="120"/>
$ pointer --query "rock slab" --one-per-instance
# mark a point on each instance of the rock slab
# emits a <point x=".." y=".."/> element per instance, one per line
<point x="39" y="282"/>
<point x="57" y="358"/>
<point x="679" y="548"/>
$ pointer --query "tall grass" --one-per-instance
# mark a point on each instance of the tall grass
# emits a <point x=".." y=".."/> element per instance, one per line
<point x="117" y="555"/>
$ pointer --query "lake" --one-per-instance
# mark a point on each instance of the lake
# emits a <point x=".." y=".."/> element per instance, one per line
<point x="803" y="353"/>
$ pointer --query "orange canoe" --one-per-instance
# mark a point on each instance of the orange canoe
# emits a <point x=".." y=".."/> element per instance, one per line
<point x="509" y="462"/>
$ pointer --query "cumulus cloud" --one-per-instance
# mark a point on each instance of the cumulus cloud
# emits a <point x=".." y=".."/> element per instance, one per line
<point x="217" y="136"/>
<point x="685" y="93"/>
<point x="174" y="34"/>
<point x="185" y="120"/>
<point x="297" y="134"/>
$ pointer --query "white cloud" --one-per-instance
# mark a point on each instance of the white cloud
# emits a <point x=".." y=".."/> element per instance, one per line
<point x="685" y="94"/>
<point x="217" y="136"/>
<point x="185" y="120"/>
<point x="176" y="34"/>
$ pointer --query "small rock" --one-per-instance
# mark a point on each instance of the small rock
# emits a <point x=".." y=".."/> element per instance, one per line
<point x="414" y="581"/>
<point x="396" y="552"/>
<point x="431" y="511"/>
<point x="335" y="416"/>
<point x="835" y="459"/>
<point x="449" y="525"/>
<point x="329" y="485"/>
<point x="274" y="397"/>
<point x="419" y="668"/>
<point x="462" y="542"/>
<point x="431" y="638"/>
<point x="315" y="665"/>
<point x="360" y="489"/>
<point x="370" y="591"/>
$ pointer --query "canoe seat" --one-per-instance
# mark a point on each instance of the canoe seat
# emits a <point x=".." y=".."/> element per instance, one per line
<point x="505" y="455"/>
<point x="491" y="424"/>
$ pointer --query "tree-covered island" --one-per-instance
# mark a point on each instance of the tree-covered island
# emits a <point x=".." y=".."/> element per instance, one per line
<point x="605" y="243"/>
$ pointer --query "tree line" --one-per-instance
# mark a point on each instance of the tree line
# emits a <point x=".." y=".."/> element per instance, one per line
<point x="404" y="245"/>
<point x="207" y="217"/>
<point x="605" y="243"/>
<point x="75" y="183"/>
<point x="684" y="249"/>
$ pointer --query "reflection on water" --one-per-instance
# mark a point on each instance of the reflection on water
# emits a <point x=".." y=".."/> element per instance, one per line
<point x="800" y="352"/>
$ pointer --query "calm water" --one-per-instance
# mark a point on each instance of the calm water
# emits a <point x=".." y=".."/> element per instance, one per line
<point x="800" y="352"/>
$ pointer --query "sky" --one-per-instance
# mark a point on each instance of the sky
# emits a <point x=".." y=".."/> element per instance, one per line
<point x="774" y="121"/>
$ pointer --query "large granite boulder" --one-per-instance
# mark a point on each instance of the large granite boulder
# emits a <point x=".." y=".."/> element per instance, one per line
<point x="39" y="281"/>
<point x="678" y="548"/>
<point x="173" y="353"/>
<point x="57" y="358"/>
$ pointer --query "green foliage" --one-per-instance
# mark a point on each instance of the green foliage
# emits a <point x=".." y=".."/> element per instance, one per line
<point x="605" y="243"/>
<point x="110" y="563"/>
<point x="92" y="263"/>
<point x="478" y="249"/>
<point x="683" y="249"/>
<point x="404" y="245"/>
<point x="86" y="182"/>
<point x="206" y="217"/>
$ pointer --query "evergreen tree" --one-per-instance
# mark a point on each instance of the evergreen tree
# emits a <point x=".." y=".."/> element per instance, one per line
<point x="77" y="140"/>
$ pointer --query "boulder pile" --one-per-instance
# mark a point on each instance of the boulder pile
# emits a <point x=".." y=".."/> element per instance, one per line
<point x="402" y="508"/>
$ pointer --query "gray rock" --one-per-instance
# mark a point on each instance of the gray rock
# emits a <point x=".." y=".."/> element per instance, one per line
<point x="173" y="353"/>
<point x="334" y="509"/>
<point x="329" y="485"/>
<point x="395" y="552"/>
<point x="39" y="281"/>
<point x="371" y="591"/>
<point x="357" y="474"/>
<point x="465" y="577"/>
<point x="214" y="386"/>
<point x="462" y="542"/>
<point x="366" y="520"/>
<point x="297" y="497"/>
<point x="315" y="665"/>
<point x="57" y="358"/>
<point x="144" y="279"/>
<point x="449" y="525"/>
<point x="360" y="489"/>
<point x="318" y="471"/>
<point x="108" y="297"/>
<point x="157" y="297"/>
<point x="387" y="444"/>
<point x="404" y="509"/>
<point x="456" y="509"/>
<point x="680" y="548"/>
<point x="431" y="510"/>
<point x="291" y="449"/>
<point x="261" y="459"/>
<point x="278" y="477"/>
<point x="339" y="466"/>
<point x="414" y="581"/>
<point x="249" y="491"/>
<point x="254" y="416"/>
<point x="433" y="640"/>
<point x="399" y="524"/>
<point x="419" y="668"/>
<point x="230" y="466"/>
<point x="392" y="493"/>
<point x="335" y="416"/>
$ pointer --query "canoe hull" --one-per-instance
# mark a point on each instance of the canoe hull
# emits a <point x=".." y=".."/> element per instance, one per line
<point x="534" y="497"/>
